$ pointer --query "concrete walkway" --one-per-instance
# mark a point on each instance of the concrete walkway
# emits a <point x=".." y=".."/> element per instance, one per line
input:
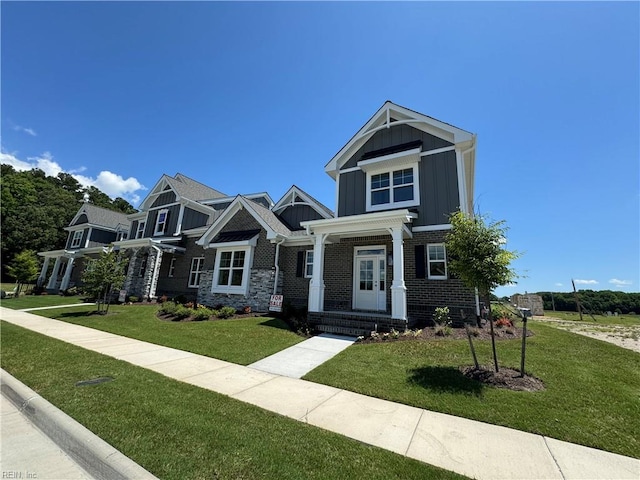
<point x="475" y="449"/>
<point x="297" y="361"/>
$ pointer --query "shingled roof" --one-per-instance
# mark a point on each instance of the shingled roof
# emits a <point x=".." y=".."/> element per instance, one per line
<point x="269" y="218"/>
<point x="101" y="216"/>
<point x="191" y="189"/>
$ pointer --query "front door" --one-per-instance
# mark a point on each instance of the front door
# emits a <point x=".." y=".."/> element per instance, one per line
<point x="370" y="279"/>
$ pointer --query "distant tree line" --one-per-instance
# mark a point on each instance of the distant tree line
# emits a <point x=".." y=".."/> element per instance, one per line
<point x="594" y="301"/>
<point x="35" y="208"/>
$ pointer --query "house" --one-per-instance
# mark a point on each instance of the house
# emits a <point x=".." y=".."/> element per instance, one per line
<point x="378" y="262"/>
<point x="91" y="230"/>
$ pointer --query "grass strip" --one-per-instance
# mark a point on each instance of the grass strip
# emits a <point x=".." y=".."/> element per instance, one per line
<point x="35" y="301"/>
<point x="178" y="431"/>
<point x="242" y="341"/>
<point x="591" y="395"/>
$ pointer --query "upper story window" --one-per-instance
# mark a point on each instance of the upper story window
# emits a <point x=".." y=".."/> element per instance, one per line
<point x="77" y="238"/>
<point x="172" y="267"/>
<point x="196" y="271"/>
<point x="437" y="261"/>
<point x="121" y="235"/>
<point x="140" y="231"/>
<point x="161" y="222"/>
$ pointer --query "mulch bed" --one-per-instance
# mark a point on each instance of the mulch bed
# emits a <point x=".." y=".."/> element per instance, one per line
<point x="505" y="378"/>
<point x="430" y="333"/>
<point x="171" y="318"/>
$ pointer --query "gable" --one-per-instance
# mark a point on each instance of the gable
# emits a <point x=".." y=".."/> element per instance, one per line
<point x="81" y="219"/>
<point x="164" y="198"/>
<point x="292" y="215"/>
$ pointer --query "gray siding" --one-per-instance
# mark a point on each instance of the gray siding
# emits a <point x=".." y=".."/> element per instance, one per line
<point x="101" y="237"/>
<point x="82" y="219"/>
<point x="295" y="214"/>
<point x="193" y="219"/>
<point x="85" y="232"/>
<point x="396" y="136"/>
<point x="439" y="196"/>
<point x="134" y="229"/>
<point x="174" y="210"/>
<point x="352" y="200"/>
<point x="164" y="199"/>
<point x="262" y="201"/>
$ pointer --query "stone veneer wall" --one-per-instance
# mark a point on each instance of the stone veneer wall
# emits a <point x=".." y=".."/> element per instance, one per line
<point x="260" y="290"/>
<point x="140" y="286"/>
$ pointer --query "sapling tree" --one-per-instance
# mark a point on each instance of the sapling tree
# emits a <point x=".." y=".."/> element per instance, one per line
<point x="478" y="257"/>
<point x="23" y="268"/>
<point x="102" y="275"/>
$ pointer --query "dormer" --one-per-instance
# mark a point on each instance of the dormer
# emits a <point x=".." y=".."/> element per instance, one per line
<point x="297" y="206"/>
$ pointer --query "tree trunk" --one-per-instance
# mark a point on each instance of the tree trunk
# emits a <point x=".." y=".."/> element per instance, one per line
<point x="493" y="335"/>
<point x="108" y="300"/>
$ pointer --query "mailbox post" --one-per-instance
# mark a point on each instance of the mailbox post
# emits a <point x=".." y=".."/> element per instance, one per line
<point x="525" y="313"/>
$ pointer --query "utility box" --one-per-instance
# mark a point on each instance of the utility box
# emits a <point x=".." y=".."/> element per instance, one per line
<point x="525" y="312"/>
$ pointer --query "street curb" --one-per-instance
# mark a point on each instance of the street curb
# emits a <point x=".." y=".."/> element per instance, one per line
<point x="97" y="457"/>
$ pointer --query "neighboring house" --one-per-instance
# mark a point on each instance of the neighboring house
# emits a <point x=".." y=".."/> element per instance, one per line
<point x="90" y="231"/>
<point x="529" y="300"/>
<point x="379" y="261"/>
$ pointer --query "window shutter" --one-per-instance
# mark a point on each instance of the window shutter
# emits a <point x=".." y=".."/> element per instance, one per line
<point x="420" y="262"/>
<point x="300" y="264"/>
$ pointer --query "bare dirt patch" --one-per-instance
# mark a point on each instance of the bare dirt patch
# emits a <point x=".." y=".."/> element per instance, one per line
<point x="505" y="378"/>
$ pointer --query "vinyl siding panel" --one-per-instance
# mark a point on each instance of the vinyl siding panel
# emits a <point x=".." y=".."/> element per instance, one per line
<point x="352" y="194"/>
<point x="439" y="196"/>
<point x="193" y="219"/>
<point x="164" y="199"/>
<point x="85" y="232"/>
<point x="101" y="237"/>
<point x="82" y="219"/>
<point x="293" y="215"/>
<point x="149" y="228"/>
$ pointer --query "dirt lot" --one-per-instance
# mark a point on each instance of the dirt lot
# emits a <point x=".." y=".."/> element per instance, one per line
<point x="625" y="336"/>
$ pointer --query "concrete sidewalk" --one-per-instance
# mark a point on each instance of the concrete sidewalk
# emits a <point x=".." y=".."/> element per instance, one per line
<point x="457" y="444"/>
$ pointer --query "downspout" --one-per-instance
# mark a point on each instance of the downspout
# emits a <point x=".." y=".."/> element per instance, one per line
<point x="275" y="282"/>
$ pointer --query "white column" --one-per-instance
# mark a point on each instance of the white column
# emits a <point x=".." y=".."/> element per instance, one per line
<point x="398" y="288"/>
<point x="43" y="272"/>
<point x="54" y="274"/>
<point x="67" y="274"/>
<point x="316" y="285"/>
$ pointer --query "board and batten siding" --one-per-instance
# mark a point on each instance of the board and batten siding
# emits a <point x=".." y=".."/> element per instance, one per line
<point x="193" y="219"/>
<point x="164" y="199"/>
<point x="82" y="219"/>
<point x="85" y="232"/>
<point x="101" y="237"/>
<point x="295" y="214"/>
<point x="397" y="135"/>
<point x="174" y="211"/>
<point x="439" y="196"/>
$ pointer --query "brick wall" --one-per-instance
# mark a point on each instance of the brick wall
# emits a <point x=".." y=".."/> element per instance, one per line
<point x="295" y="289"/>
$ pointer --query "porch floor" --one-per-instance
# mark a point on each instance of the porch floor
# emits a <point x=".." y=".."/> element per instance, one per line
<point x="358" y="323"/>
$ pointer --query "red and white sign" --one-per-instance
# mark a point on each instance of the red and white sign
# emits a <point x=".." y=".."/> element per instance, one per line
<point x="275" y="304"/>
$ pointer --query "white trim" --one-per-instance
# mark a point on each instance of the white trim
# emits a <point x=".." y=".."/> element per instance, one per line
<point x="349" y="170"/>
<point x="462" y="184"/>
<point x="432" y="228"/>
<point x="438" y="150"/>
<point x="172" y="204"/>
<point x="165" y="223"/>
<point x="391" y="204"/>
<point x="252" y="242"/>
<point x="197" y="273"/>
<point x="75" y="244"/>
<point x="306" y="274"/>
<point x="86" y="242"/>
<point x="367" y="223"/>
<point x="242" y="289"/>
<point x="138" y="231"/>
<point x="437" y="260"/>
<point x="288" y="198"/>
<point x="172" y="267"/>
<point x="381" y="304"/>
<point x="393" y="160"/>
<point x="337" y="204"/>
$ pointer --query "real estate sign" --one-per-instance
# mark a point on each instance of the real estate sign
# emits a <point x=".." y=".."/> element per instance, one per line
<point x="275" y="304"/>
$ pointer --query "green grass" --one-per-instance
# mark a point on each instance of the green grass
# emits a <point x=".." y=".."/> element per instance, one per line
<point x="599" y="319"/>
<point x="241" y="341"/>
<point x="591" y="397"/>
<point x="178" y="431"/>
<point x="33" y="301"/>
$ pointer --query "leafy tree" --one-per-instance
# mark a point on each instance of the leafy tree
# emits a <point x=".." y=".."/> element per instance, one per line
<point x="102" y="275"/>
<point x="477" y="256"/>
<point x="24" y="268"/>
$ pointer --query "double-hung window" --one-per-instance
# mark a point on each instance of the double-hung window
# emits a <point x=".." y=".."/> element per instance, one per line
<point x="437" y="261"/>
<point x="77" y="238"/>
<point x="161" y="222"/>
<point x="140" y="231"/>
<point x="195" y="272"/>
<point x="308" y="264"/>
<point x="172" y="267"/>
<point x="232" y="270"/>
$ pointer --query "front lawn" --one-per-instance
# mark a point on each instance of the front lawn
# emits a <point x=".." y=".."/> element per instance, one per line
<point x="591" y="395"/>
<point x="34" y="301"/>
<point x="242" y="341"/>
<point x="179" y="431"/>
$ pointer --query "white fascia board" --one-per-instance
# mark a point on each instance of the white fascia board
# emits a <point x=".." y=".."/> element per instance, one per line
<point x="82" y="226"/>
<point x="195" y="232"/>
<point x="137" y="216"/>
<point x="155" y="191"/>
<point x="252" y="242"/>
<point x="432" y="228"/>
<point x="394" y="160"/>
<point x="166" y="205"/>
<point x="364" y="223"/>
<point x="287" y="201"/>
<point x="52" y="253"/>
<point x="199" y="207"/>
<point x="133" y="243"/>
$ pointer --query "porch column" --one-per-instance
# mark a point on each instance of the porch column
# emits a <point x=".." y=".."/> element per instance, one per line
<point x="67" y="274"/>
<point x="43" y="272"/>
<point x="316" y="285"/>
<point x="155" y="274"/>
<point x="398" y="288"/>
<point x="54" y="274"/>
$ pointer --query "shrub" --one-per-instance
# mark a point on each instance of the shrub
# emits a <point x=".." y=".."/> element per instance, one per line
<point x="189" y="305"/>
<point x="500" y="311"/>
<point x="474" y="331"/>
<point x="202" y="313"/>
<point x="163" y="299"/>
<point x="503" y="322"/>
<point x="443" y="331"/>
<point x="226" y="312"/>
<point x="181" y="299"/>
<point x="133" y="299"/>
<point x="441" y="316"/>
<point x="168" y="308"/>
<point x="182" y="312"/>
<point x="69" y="292"/>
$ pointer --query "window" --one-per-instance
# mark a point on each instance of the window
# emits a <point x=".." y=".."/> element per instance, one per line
<point x="308" y="264"/>
<point x="77" y="238"/>
<point x="142" y="268"/>
<point x="437" y="261"/>
<point x="161" y="222"/>
<point x="122" y="235"/>
<point x="195" y="272"/>
<point x="393" y="188"/>
<point x="140" y="231"/>
<point x="232" y="270"/>
<point x="172" y="267"/>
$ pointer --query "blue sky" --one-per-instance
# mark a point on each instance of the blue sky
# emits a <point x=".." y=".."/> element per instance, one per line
<point x="250" y="97"/>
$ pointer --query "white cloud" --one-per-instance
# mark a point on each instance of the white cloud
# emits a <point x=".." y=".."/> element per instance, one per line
<point x="586" y="282"/>
<point x="110" y="183"/>
<point x="558" y="284"/>
<point x="620" y="283"/>
<point x="27" y="130"/>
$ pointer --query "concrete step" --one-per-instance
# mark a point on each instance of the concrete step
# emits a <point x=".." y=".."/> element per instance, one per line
<point x="350" y="331"/>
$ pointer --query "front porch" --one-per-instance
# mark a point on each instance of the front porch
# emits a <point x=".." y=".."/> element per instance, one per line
<point x="355" y="323"/>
